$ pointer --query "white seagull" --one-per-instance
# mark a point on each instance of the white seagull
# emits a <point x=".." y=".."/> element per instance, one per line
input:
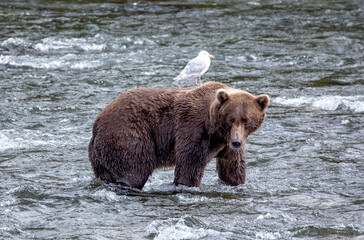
<point x="196" y="67"/>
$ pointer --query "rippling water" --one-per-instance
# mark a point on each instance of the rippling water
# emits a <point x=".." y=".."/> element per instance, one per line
<point x="61" y="62"/>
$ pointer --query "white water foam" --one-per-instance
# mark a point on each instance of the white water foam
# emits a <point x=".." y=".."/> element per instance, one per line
<point x="54" y="43"/>
<point x="86" y="64"/>
<point x="107" y="195"/>
<point x="15" y="42"/>
<point x="11" y="139"/>
<point x="57" y="43"/>
<point x="267" y="235"/>
<point x="181" y="230"/>
<point x="29" y="61"/>
<point x="49" y="62"/>
<point x="331" y="103"/>
<point x="185" y="199"/>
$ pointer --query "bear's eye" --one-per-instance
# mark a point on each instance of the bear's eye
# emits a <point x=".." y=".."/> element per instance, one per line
<point x="231" y="120"/>
<point x="244" y="121"/>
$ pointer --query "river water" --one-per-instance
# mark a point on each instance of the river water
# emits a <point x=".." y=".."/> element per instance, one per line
<point x="61" y="62"/>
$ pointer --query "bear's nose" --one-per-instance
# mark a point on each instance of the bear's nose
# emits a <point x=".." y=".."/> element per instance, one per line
<point x="236" y="143"/>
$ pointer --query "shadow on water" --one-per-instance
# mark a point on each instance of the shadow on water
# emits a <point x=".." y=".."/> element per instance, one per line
<point x="315" y="231"/>
<point x="169" y="190"/>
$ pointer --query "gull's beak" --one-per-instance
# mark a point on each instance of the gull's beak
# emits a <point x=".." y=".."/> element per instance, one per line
<point x="211" y="56"/>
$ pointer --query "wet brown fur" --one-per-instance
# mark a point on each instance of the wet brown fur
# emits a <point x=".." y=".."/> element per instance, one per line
<point x="144" y="129"/>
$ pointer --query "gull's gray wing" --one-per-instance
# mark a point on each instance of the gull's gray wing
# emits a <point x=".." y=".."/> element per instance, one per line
<point x="195" y="66"/>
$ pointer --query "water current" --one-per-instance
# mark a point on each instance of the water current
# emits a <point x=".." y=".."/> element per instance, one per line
<point x="62" y="62"/>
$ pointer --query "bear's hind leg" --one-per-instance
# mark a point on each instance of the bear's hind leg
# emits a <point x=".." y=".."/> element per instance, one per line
<point x="132" y="180"/>
<point x="103" y="173"/>
<point x="99" y="170"/>
<point x="135" y="165"/>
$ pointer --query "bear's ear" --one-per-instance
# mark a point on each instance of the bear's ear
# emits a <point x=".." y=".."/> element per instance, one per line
<point x="263" y="101"/>
<point x="222" y="95"/>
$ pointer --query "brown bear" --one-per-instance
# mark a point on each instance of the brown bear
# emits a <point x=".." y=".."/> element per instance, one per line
<point x="148" y="128"/>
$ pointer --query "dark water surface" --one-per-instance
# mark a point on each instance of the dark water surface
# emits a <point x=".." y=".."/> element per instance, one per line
<point x="61" y="62"/>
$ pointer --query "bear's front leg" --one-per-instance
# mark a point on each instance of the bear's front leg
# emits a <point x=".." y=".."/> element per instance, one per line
<point x="230" y="165"/>
<point x="189" y="170"/>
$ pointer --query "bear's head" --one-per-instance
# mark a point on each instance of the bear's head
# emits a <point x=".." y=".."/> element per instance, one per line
<point x="236" y="114"/>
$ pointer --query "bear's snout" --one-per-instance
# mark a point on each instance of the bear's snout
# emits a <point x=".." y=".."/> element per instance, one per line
<point x="236" y="143"/>
<point x="236" y="137"/>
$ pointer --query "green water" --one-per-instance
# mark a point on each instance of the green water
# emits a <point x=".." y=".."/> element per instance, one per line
<point x="61" y="62"/>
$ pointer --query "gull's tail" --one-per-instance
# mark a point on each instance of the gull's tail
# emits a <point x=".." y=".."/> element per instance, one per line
<point x="181" y="77"/>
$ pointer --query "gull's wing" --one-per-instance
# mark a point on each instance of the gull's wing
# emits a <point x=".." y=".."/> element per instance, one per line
<point x="194" y="67"/>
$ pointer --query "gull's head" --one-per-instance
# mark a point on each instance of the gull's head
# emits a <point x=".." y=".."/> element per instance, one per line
<point x="205" y="53"/>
